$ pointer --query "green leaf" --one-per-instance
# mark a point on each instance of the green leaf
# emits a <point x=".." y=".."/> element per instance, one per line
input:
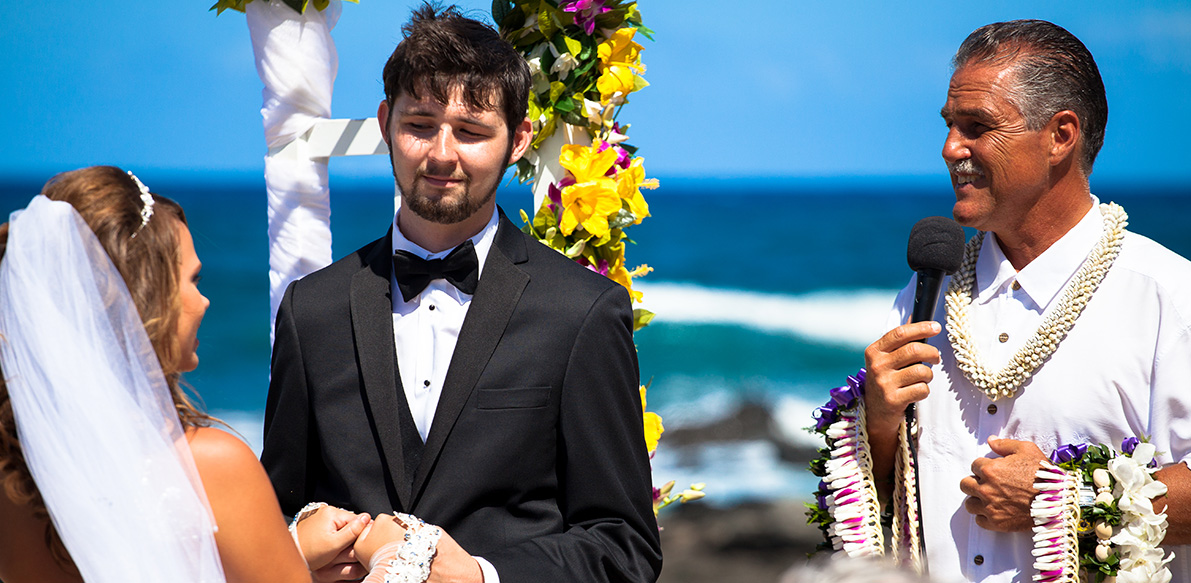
<point x="564" y="105"/>
<point x="641" y="318"/>
<point x="500" y="9"/>
<point x="573" y="46"/>
<point x="645" y="31"/>
<point x="546" y="24"/>
<point x="557" y="88"/>
<point x="299" y="6"/>
<point x="639" y="83"/>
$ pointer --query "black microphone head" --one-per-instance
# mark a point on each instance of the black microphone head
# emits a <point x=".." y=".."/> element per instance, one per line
<point x="936" y="243"/>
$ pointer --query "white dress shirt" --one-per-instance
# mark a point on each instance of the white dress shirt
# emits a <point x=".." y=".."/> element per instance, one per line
<point x="425" y="331"/>
<point x="1123" y="370"/>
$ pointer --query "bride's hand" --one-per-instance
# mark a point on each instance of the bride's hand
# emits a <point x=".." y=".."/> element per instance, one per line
<point x="328" y="531"/>
<point x="383" y="530"/>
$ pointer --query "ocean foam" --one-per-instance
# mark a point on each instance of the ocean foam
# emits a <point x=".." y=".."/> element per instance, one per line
<point x="848" y="318"/>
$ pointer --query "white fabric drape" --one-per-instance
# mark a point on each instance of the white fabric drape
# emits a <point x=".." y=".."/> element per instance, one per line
<point x="297" y="62"/>
<point x="93" y="412"/>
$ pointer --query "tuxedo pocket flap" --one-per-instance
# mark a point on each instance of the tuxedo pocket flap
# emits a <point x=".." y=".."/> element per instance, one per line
<point x="522" y="398"/>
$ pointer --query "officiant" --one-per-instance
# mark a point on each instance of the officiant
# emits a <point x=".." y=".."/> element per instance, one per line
<point x="1064" y="333"/>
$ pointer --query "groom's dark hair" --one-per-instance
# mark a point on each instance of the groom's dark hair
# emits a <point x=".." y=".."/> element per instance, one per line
<point x="444" y="50"/>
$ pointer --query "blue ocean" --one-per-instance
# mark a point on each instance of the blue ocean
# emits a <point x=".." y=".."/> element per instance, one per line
<point x="765" y="290"/>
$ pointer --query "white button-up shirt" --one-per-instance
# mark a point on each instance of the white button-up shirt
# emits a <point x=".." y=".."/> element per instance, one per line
<point x="426" y="328"/>
<point x="1124" y="370"/>
<point x="425" y="331"/>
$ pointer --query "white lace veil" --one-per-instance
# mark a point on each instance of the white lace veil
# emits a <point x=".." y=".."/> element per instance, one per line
<point x="94" y="415"/>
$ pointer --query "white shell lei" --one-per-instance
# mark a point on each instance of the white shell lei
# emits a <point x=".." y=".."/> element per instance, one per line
<point x="1055" y="326"/>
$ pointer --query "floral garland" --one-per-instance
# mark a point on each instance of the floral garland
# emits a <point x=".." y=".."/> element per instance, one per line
<point x="299" y="6"/>
<point x="1094" y="512"/>
<point x="585" y="62"/>
<point x="846" y="507"/>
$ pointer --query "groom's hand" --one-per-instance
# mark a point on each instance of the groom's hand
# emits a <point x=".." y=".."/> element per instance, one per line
<point x="452" y="564"/>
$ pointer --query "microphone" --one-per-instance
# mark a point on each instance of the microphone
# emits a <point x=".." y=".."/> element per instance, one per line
<point x="935" y="250"/>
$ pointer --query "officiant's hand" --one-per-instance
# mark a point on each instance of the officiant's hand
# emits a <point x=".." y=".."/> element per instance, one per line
<point x="326" y="538"/>
<point x="1000" y="489"/>
<point x="899" y="373"/>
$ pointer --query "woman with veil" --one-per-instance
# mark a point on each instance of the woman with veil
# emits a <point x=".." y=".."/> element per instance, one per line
<point x="108" y="472"/>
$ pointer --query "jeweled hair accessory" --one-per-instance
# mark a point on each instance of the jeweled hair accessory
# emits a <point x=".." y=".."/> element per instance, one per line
<point x="146" y="199"/>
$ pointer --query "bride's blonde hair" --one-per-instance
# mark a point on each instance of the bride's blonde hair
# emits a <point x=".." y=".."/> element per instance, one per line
<point x="109" y="201"/>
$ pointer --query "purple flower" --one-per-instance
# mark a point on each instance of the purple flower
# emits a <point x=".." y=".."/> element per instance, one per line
<point x="846" y="395"/>
<point x="825" y="416"/>
<point x="1129" y="444"/>
<point x="856" y="381"/>
<point x="1069" y="452"/>
<point x="821" y="500"/>
<point x="585" y="12"/>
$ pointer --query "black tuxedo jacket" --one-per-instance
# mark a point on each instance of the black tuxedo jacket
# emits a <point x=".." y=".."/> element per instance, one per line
<point x="535" y="458"/>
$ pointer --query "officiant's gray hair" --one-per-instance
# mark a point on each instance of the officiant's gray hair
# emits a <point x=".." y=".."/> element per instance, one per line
<point x="444" y="50"/>
<point x="1053" y="71"/>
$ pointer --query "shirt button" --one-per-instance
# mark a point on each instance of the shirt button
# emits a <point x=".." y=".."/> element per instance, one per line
<point x="992" y="408"/>
<point x="432" y="307"/>
<point x="425" y="383"/>
<point x="1016" y="285"/>
<point x="1003" y="337"/>
<point x="978" y="559"/>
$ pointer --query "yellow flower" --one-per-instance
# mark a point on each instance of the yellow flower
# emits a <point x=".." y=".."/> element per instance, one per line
<point x="586" y="163"/>
<point x="624" y="277"/>
<point x="589" y="204"/>
<point x="629" y="183"/>
<point x="620" y="48"/>
<point x="616" y="78"/>
<point x="594" y="196"/>
<point x="653" y="425"/>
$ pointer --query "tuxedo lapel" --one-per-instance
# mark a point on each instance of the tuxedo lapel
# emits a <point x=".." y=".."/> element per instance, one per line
<point x="501" y="284"/>
<point x="372" y="324"/>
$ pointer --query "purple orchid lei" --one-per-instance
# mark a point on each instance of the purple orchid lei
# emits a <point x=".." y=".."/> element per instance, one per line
<point x="846" y="507"/>
<point x="1094" y="514"/>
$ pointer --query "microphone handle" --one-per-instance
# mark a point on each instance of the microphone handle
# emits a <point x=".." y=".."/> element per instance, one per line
<point x="926" y="299"/>
<point x="926" y="294"/>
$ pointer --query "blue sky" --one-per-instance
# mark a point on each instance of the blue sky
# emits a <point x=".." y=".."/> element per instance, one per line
<point x="762" y="88"/>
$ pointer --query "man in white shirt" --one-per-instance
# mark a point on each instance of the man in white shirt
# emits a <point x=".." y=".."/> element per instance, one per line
<point x="1026" y="112"/>
<point x="456" y="369"/>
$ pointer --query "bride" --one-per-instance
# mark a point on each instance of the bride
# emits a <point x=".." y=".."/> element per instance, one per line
<point x="108" y="472"/>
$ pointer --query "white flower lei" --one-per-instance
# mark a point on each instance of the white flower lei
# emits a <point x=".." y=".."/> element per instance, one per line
<point x="1058" y="511"/>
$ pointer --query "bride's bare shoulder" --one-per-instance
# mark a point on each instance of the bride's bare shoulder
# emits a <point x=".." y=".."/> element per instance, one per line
<point x="216" y="449"/>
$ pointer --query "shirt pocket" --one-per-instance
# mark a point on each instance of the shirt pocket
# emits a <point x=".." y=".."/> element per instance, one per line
<point x="516" y="398"/>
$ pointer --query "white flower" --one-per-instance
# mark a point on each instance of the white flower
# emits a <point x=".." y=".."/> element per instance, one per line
<point x="563" y="63"/>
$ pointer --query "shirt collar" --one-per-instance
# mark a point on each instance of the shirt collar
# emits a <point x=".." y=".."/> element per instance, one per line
<point x="482" y="242"/>
<point x="1046" y="275"/>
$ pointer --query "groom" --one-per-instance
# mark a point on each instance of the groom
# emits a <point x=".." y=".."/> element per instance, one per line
<point x="455" y="368"/>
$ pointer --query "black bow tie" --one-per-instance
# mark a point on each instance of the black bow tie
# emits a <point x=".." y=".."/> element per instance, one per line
<point x="460" y="268"/>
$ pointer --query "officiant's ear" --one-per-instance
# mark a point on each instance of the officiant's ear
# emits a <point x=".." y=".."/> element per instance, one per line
<point x="382" y="117"/>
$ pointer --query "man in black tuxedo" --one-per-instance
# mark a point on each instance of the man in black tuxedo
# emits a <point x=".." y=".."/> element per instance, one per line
<point x="456" y="369"/>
